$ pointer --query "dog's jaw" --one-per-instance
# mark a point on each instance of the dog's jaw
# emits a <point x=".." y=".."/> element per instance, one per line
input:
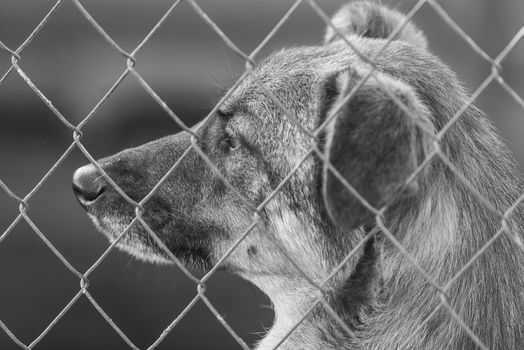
<point x="128" y="242"/>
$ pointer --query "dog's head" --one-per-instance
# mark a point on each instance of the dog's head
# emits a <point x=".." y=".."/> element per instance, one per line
<point x="232" y="175"/>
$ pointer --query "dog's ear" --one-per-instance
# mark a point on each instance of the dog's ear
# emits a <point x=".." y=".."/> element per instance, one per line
<point x="373" y="143"/>
<point x="372" y="20"/>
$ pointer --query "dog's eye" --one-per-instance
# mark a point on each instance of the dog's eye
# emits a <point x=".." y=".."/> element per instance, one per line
<point x="231" y="142"/>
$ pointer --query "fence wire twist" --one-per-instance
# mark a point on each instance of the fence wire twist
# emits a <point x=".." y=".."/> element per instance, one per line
<point x="250" y="59"/>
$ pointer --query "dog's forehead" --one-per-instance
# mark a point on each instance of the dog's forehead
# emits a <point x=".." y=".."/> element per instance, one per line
<point x="312" y="59"/>
<point x="287" y="81"/>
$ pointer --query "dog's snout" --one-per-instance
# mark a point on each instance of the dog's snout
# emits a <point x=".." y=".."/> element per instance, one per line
<point x="88" y="185"/>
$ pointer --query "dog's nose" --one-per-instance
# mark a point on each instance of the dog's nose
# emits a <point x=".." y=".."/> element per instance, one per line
<point x="87" y="184"/>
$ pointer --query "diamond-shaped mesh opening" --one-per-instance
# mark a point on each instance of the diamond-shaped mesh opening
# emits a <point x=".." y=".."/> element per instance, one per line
<point x="126" y="49"/>
<point x="27" y="267"/>
<point x="83" y="321"/>
<point x="73" y="68"/>
<point x="128" y="118"/>
<point x="29" y="128"/>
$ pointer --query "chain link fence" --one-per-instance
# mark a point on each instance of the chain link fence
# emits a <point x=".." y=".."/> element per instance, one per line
<point x="129" y="58"/>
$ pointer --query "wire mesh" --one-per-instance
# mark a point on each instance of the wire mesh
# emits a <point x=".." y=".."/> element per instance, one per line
<point x="129" y="58"/>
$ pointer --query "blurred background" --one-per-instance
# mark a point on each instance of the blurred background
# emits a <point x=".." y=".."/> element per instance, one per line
<point x="185" y="63"/>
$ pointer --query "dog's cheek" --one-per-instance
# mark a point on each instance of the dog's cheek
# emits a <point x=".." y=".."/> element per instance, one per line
<point x="231" y="222"/>
<point x="158" y="213"/>
<point x="248" y="176"/>
<point x="186" y="233"/>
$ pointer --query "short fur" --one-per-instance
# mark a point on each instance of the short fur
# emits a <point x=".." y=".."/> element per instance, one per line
<point x="375" y="145"/>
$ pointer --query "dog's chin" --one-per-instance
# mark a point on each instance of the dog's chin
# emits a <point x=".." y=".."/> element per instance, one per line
<point x="132" y="242"/>
<point x="144" y="253"/>
<point x="137" y="243"/>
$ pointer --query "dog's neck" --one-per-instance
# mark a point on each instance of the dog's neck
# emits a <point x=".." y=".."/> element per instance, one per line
<point x="297" y="327"/>
<point x="302" y="320"/>
<point x="290" y="307"/>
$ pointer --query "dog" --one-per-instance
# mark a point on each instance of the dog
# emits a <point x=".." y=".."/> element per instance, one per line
<point x="370" y="182"/>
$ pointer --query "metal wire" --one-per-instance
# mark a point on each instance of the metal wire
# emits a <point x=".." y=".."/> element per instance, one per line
<point x="129" y="61"/>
